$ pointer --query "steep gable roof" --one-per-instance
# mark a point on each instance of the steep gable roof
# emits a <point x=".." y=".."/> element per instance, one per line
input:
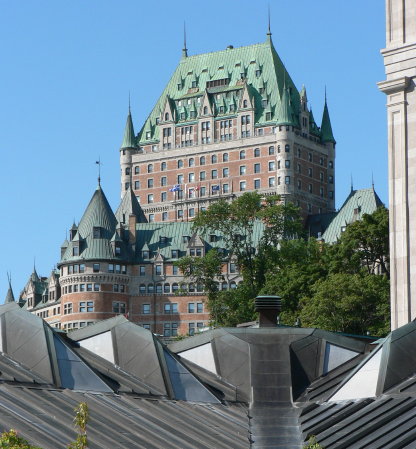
<point x="129" y="205"/>
<point x="259" y="65"/>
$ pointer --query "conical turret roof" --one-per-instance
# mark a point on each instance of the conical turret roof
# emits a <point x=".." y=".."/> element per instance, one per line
<point x="95" y="230"/>
<point x="285" y="112"/>
<point x="129" y="139"/>
<point x="326" y="128"/>
<point x="129" y="205"/>
<point x="9" y="295"/>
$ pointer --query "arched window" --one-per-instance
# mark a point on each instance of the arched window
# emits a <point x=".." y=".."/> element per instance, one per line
<point x="271" y="150"/>
<point x="202" y="160"/>
<point x="166" y="288"/>
<point x="150" y="168"/>
<point x="214" y="159"/>
<point x="256" y="152"/>
<point x="225" y="157"/>
<point x="224" y="286"/>
<point x="158" y="288"/>
<point x="180" y="163"/>
<point x="184" y="287"/>
<point x="136" y="170"/>
<point x="150" y="288"/>
<point x="205" y="110"/>
<point x="175" y="287"/>
<point x="142" y="289"/>
<point x="191" y="162"/>
<point x="242" y="154"/>
<point x="127" y="170"/>
<point x="166" y="116"/>
<point x="163" y="166"/>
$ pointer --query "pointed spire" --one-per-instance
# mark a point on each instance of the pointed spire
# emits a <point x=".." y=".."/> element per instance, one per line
<point x="34" y="276"/>
<point x="285" y="113"/>
<point x="269" y="33"/>
<point x="184" y="49"/>
<point x="352" y="184"/>
<point x="9" y="295"/>
<point x="129" y="139"/>
<point x="326" y="128"/>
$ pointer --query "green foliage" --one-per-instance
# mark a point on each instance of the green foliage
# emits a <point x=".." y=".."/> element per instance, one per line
<point x="353" y="303"/>
<point x="11" y="440"/>
<point x="80" y="421"/>
<point x="312" y="444"/>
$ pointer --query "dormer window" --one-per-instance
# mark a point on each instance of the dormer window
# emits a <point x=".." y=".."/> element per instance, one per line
<point x="258" y="73"/>
<point x="193" y="84"/>
<point x="185" y="238"/>
<point x="179" y="86"/>
<point x="205" y="110"/>
<point x="182" y="116"/>
<point x="175" y="254"/>
<point x="163" y="240"/>
<point x="117" y="249"/>
<point x="75" y="251"/>
<point x="212" y="238"/>
<point x="96" y="232"/>
<point x="145" y="254"/>
<point x="245" y="104"/>
<point x="148" y="134"/>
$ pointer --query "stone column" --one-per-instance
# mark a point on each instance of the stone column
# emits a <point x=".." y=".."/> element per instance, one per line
<point x="400" y="64"/>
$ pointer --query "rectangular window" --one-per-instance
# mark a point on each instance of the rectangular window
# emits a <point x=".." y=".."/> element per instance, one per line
<point x="225" y="172"/>
<point x="225" y="188"/>
<point x="67" y="308"/>
<point x="233" y="268"/>
<point x="191" y="329"/>
<point x="199" y="307"/>
<point x="82" y="287"/>
<point x="242" y="186"/>
<point x="142" y="270"/>
<point x="257" y="184"/>
<point x="242" y="169"/>
<point x="81" y="267"/>
<point x="256" y="168"/>
<point x="175" y="270"/>
<point x="158" y="270"/>
<point x="146" y="309"/>
<point x="119" y="307"/>
<point x="214" y="174"/>
<point x="272" y="166"/>
<point x="287" y="163"/>
<point x="191" y="307"/>
<point x="96" y="267"/>
<point x="116" y="288"/>
<point x="287" y="180"/>
<point x="96" y="287"/>
<point x="163" y="181"/>
<point x="118" y="268"/>
<point x="150" y="198"/>
<point x="111" y="268"/>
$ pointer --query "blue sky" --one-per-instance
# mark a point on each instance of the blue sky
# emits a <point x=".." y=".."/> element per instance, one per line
<point x="67" y="69"/>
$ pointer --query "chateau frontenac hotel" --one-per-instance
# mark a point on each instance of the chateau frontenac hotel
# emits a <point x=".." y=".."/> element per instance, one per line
<point x="227" y="122"/>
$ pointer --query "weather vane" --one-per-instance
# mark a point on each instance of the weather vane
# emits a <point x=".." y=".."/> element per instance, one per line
<point x="99" y="163"/>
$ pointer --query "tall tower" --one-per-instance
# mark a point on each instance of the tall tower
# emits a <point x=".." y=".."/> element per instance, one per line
<point x="400" y="64"/>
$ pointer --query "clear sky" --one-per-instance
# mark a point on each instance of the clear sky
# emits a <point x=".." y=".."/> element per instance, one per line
<point x="66" y="69"/>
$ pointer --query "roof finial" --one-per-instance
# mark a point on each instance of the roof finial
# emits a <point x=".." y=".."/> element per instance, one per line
<point x="269" y="33"/>
<point x="129" y="103"/>
<point x="99" y="163"/>
<point x="352" y="184"/>
<point x="325" y="93"/>
<point x="184" y="50"/>
<point x="372" y="180"/>
<point x="9" y="278"/>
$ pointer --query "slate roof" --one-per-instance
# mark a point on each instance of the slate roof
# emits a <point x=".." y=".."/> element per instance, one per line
<point x="358" y="203"/>
<point x="9" y="294"/>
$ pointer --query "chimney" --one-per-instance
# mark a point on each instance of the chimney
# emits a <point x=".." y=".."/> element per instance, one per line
<point x="268" y="308"/>
<point x="132" y="228"/>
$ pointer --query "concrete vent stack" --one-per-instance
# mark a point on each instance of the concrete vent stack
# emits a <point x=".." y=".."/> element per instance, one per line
<point x="268" y="308"/>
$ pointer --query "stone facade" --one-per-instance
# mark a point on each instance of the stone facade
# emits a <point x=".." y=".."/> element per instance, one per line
<point x="399" y="87"/>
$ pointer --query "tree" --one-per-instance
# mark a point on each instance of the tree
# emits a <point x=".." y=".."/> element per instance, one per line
<point x="11" y="440"/>
<point x="81" y="419"/>
<point x="352" y="303"/>
<point x="236" y="222"/>
<point x="365" y="243"/>
<point x="250" y="228"/>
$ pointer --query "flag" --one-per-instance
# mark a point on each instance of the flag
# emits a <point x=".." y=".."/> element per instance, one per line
<point x="197" y="188"/>
<point x="216" y="187"/>
<point x="175" y="188"/>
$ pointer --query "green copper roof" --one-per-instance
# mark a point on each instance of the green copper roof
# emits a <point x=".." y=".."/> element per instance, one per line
<point x="129" y="139"/>
<point x="129" y="205"/>
<point x="260" y="67"/>
<point x="285" y="113"/>
<point x="98" y="214"/>
<point x="162" y="238"/>
<point x="358" y="203"/>
<point x="326" y="128"/>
